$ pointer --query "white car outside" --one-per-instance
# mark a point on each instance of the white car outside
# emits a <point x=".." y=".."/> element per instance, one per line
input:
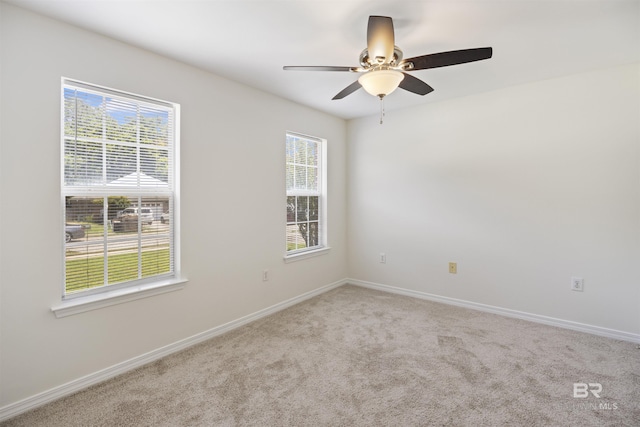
<point x="146" y="214"/>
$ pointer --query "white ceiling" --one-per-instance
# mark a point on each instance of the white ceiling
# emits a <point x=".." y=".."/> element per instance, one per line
<point x="249" y="41"/>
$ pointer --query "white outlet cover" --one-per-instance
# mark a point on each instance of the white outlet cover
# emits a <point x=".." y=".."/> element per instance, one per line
<point x="577" y="284"/>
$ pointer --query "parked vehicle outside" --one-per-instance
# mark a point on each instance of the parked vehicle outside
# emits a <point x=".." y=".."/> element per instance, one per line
<point x="164" y="218"/>
<point x="73" y="231"/>
<point x="146" y="214"/>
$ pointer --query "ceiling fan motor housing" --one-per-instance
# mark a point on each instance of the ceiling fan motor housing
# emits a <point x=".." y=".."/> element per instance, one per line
<point x="367" y="62"/>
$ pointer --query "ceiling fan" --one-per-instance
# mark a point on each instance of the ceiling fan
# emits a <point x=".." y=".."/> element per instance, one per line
<point x="383" y="68"/>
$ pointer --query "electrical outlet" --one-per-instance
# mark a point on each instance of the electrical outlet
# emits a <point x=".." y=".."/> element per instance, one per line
<point x="265" y="275"/>
<point x="453" y="268"/>
<point x="577" y="284"/>
<point x="383" y="258"/>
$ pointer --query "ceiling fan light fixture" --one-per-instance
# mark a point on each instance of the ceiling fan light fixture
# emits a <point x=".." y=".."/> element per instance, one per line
<point x="381" y="83"/>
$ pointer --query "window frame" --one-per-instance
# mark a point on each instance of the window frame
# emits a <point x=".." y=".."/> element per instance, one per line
<point x="323" y="245"/>
<point x="108" y="294"/>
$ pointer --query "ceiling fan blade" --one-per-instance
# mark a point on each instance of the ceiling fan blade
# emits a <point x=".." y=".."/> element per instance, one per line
<point x="444" y="59"/>
<point x="348" y="90"/>
<point x="316" y="68"/>
<point x="380" y="39"/>
<point x="415" y="85"/>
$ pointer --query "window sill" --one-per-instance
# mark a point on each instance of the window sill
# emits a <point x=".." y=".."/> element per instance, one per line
<point x="116" y="296"/>
<point x="307" y="254"/>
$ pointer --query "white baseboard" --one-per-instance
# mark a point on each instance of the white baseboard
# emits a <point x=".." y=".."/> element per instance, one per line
<point x="58" y="392"/>
<point x="552" y="321"/>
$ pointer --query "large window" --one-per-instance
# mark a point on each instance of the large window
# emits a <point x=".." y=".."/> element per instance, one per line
<point x="118" y="188"/>
<point x="306" y="198"/>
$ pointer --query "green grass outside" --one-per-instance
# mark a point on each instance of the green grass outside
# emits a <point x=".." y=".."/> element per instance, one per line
<point x="87" y="273"/>
<point x="294" y="246"/>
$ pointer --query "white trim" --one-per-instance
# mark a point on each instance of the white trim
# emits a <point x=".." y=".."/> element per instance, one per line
<point x="135" y="185"/>
<point x="552" y="321"/>
<point x="324" y="196"/>
<point x="116" y="93"/>
<point x="58" y="392"/>
<point x="321" y="192"/>
<point x="71" y="387"/>
<point x="298" y="256"/>
<point x="117" y="296"/>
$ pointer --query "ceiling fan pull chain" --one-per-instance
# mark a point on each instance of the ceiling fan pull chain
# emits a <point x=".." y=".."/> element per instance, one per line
<point x="381" y="108"/>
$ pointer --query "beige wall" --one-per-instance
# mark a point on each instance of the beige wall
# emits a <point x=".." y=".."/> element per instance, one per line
<point x="233" y="205"/>
<point x="523" y="187"/>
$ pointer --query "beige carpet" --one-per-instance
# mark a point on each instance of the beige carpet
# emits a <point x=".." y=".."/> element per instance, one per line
<point x="357" y="357"/>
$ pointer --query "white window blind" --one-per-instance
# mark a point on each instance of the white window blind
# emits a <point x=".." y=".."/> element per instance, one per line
<point x="118" y="173"/>
<point x="306" y="220"/>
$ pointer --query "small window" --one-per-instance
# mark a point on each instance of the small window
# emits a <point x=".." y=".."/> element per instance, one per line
<point x="306" y="193"/>
<point x="118" y="188"/>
